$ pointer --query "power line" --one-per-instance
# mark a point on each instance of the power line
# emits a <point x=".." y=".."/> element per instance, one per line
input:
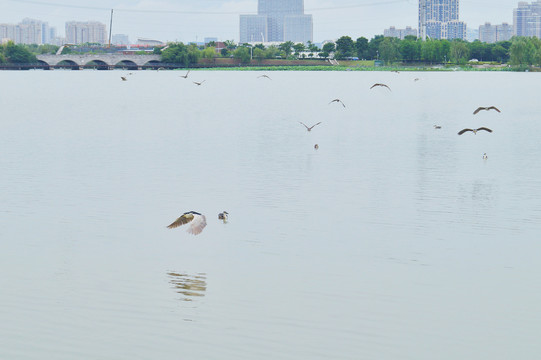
<point x="194" y="12"/>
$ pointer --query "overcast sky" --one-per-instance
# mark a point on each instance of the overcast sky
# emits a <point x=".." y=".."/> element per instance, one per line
<point x="190" y="20"/>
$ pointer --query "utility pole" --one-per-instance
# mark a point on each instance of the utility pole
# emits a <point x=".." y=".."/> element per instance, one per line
<point x="111" y="28"/>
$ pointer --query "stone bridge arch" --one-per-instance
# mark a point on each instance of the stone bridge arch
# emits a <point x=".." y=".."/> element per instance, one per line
<point x="103" y="61"/>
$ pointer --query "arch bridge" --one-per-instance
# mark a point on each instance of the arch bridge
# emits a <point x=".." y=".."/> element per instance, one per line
<point x="100" y="61"/>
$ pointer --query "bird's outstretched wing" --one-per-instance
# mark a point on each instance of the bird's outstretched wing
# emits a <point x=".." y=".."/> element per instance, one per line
<point x="197" y="225"/>
<point x="484" y="128"/>
<point x="463" y="131"/>
<point x="197" y="222"/>
<point x="479" y="109"/>
<point x="382" y="85"/>
<point x="264" y="76"/>
<point x="311" y="127"/>
<point x="306" y="126"/>
<point x="493" y="108"/>
<point x="183" y="219"/>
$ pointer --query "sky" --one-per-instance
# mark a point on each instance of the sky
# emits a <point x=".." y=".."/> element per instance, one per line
<point x="194" y="20"/>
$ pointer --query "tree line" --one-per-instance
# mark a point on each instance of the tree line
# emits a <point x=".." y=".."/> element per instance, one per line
<point x="519" y="51"/>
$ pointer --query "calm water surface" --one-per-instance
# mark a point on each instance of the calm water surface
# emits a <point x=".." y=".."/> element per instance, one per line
<point x="392" y="241"/>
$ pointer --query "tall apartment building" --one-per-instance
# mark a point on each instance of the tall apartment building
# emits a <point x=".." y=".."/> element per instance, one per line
<point x="399" y="33"/>
<point x="527" y="19"/>
<point x="28" y="31"/>
<point x="439" y="19"/>
<point x="86" y="32"/>
<point x="493" y="33"/>
<point x="277" y="21"/>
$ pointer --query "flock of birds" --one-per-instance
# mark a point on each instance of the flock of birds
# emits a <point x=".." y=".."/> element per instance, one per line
<point x="197" y="221"/>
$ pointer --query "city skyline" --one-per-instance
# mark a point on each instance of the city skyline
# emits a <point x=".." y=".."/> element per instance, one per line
<point x="170" y="20"/>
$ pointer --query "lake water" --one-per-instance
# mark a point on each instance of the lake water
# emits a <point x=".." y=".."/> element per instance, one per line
<point x="393" y="240"/>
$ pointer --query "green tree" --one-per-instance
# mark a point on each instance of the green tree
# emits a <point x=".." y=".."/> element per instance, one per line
<point x="361" y="47"/>
<point x="242" y="54"/>
<point x="271" y="52"/>
<point x="286" y="47"/>
<point x="18" y="54"/>
<point x="373" y="46"/>
<point x="410" y="49"/>
<point x="521" y="51"/>
<point x="389" y="50"/>
<point x="327" y="49"/>
<point x="345" y="47"/>
<point x="459" y="52"/>
<point x="259" y="53"/>
<point x="178" y="53"/>
<point x="209" y="53"/>
<point x="312" y="47"/>
<point x="499" y="53"/>
<point x="299" y="47"/>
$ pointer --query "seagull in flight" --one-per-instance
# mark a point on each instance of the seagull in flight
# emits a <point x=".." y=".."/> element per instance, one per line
<point x="199" y="83"/>
<point x="264" y="76"/>
<point x="309" y="128"/>
<point x="338" y="101"/>
<point x="486" y="108"/>
<point x="474" y="130"/>
<point x="382" y="85"/>
<point x="185" y="76"/>
<point x="197" y="222"/>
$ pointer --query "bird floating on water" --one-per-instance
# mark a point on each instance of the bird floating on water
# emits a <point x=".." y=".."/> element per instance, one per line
<point x="379" y="84"/>
<point x="338" y="101"/>
<point x="437" y="126"/>
<point x="486" y="108"/>
<point x="199" y="83"/>
<point x="223" y="216"/>
<point x="316" y="146"/>
<point x="474" y="130"/>
<point x="309" y="128"/>
<point x="124" y="78"/>
<point x="185" y="76"/>
<point x="264" y="76"/>
<point x="485" y="156"/>
<point x="197" y="222"/>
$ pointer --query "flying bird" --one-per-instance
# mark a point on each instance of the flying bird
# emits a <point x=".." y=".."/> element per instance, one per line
<point x="124" y="78"/>
<point x="338" y="101"/>
<point x="309" y="128"/>
<point x="473" y="130"/>
<point x="197" y="222"/>
<point x="223" y="216"/>
<point x="185" y="76"/>
<point x="264" y="76"/>
<point x="199" y="83"/>
<point x="486" y="108"/>
<point x="382" y="85"/>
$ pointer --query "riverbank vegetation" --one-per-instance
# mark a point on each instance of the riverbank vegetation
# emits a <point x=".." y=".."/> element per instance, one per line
<point x="519" y="52"/>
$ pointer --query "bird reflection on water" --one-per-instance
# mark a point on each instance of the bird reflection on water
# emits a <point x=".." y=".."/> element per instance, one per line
<point x="189" y="286"/>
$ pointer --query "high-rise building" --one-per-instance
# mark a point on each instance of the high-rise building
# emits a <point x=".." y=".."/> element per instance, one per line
<point x="85" y="32"/>
<point x="400" y="33"/>
<point x="120" y="39"/>
<point x="28" y="31"/>
<point x="527" y="19"/>
<point x="439" y="19"/>
<point x="493" y="33"/>
<point x="277" y="21"/>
